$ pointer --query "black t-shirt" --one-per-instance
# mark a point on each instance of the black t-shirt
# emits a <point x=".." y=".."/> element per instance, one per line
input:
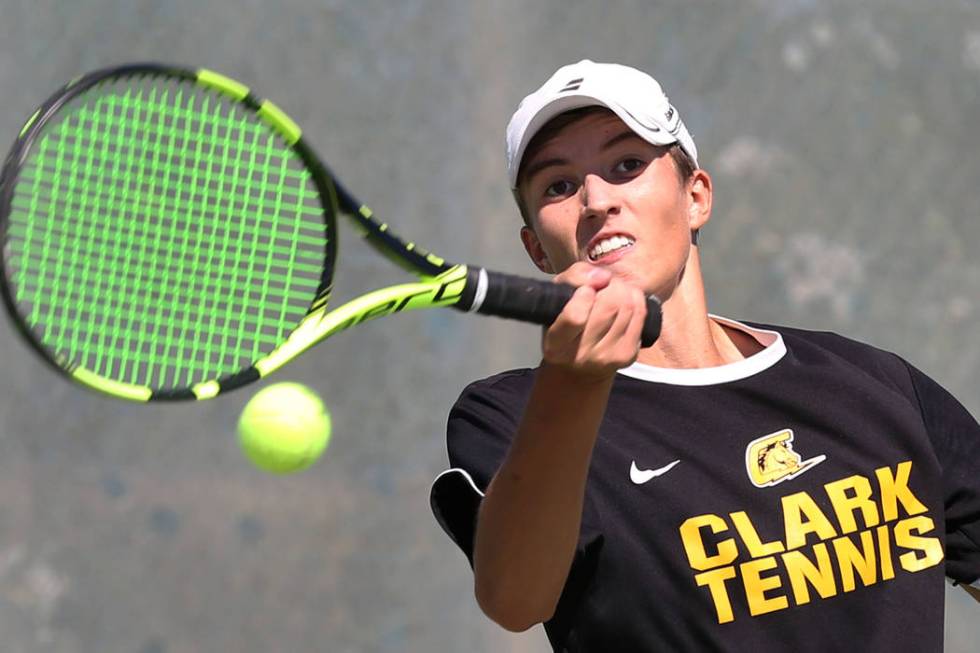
<point x="809" y="498"/>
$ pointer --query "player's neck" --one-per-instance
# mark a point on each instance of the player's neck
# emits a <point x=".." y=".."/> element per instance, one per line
<point x="689" y="338"/>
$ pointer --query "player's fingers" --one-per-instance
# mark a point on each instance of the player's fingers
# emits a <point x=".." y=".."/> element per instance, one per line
<point x="596" y="331"/>
<point x="565" y="332"/>
<point x="607" y="309"/>
<point x="609" y="326"/>
<point x="618" y="315"/>
<point x="582" y="273"/>
<point x="632" y="328"/>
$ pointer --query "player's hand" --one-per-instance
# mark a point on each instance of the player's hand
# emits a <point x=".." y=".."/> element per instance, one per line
<point x="598" y="331"/>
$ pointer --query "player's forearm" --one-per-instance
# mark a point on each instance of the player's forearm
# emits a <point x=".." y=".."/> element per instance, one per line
<point x="529" y="521"/>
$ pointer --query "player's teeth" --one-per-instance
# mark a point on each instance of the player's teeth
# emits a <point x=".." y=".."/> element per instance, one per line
<point x="608" y="245"/>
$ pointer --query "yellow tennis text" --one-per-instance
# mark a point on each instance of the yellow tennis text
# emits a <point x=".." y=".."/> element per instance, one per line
<point x="868" y="530"/>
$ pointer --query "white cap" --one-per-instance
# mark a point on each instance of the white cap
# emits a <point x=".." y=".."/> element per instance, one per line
<point x="634" y="96"/>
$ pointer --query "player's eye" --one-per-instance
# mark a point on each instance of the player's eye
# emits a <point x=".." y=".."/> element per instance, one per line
<point x="629" y="165"/>
<point x="560" y="188"/>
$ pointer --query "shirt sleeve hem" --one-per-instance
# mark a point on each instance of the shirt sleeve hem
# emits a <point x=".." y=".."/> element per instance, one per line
<point x="455" y="501"/>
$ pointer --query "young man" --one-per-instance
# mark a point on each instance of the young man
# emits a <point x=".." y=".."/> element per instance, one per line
<point x="732" y="487"/>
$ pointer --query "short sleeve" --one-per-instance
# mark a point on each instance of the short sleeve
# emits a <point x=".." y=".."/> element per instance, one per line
<point x="479" y="430"/>
<point x="955" y="436"/>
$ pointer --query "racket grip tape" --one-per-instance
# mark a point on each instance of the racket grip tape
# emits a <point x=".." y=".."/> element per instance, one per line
<point x="533" y="300"/>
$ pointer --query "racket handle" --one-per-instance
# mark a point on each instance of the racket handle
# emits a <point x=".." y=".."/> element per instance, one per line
<point x="533" y="300"/>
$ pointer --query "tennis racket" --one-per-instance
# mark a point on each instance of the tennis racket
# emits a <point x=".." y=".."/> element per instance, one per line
<point x="167" y="234"/>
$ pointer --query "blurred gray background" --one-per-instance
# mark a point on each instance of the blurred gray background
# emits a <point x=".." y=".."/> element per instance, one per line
<point x="843" y="141"/>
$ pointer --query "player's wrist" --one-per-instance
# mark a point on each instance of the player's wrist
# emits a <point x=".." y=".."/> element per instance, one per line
<point x="576" y="375"/>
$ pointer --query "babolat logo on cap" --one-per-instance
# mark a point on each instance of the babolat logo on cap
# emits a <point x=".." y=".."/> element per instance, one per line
<point x="572" y="85"/>
<point x="770" y="459"/>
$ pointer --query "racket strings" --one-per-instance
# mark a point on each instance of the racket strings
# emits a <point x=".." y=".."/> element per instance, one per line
<point x="162" y="235"/>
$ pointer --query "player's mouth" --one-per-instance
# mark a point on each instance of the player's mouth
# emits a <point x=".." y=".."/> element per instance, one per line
<point x="607" y="247"/>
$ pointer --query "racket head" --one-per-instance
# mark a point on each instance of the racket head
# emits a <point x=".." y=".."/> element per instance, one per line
<point x="163" y="229"/>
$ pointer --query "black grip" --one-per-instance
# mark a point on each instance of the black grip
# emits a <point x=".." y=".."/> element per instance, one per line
<point x="540" y="302"/>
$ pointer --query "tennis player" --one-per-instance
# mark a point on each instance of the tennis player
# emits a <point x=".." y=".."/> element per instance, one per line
<point x="733" y="487"/>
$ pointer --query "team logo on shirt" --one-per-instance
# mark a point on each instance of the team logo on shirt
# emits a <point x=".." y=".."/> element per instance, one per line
<point x="771" y="459"/>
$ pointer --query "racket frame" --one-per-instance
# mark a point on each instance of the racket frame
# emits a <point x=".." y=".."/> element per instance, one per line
<point x="439" y="283"/>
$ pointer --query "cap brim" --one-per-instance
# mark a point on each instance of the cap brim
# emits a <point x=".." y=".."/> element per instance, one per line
<point x="656" y="135"/>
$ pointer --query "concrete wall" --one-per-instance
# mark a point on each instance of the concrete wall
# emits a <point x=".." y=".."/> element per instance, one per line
<point x="843" y="141"/>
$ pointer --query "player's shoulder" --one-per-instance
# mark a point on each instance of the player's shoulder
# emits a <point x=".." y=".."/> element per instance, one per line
<point x="515" y="382"/>
<point x="829" y="340"/>
<point x="807" y="345"/>
<point x="495" y="400"/>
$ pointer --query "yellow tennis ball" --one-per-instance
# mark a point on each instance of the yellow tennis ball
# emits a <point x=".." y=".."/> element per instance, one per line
<point x="284" y="428"/>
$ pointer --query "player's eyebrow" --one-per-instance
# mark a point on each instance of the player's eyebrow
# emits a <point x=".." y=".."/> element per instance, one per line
<point x="538" y="166"/>
<point x="625" y="135"/>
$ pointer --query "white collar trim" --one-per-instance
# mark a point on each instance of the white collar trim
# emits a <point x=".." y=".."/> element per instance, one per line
<point x="774" y="349"/>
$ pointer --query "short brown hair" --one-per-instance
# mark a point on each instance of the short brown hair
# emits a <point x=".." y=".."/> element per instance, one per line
<point x="683" y="162"/>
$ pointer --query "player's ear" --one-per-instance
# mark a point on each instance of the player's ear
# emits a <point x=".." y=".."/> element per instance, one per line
<point x="699" y="191"/>
<point x="535" y="251"/>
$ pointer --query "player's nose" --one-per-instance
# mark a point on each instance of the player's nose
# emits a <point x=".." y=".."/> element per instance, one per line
<point x="599" y="197"/>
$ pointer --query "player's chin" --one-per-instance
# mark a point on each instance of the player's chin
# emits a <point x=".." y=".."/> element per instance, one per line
<point x="624" y="267"/>
<point x="628" y="275"/>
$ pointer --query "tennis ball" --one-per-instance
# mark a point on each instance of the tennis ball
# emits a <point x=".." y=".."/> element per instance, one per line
<point x="284" y="428"/>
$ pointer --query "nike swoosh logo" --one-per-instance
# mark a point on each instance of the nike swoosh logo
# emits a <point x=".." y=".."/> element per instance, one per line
<point x="641" y="476"/>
